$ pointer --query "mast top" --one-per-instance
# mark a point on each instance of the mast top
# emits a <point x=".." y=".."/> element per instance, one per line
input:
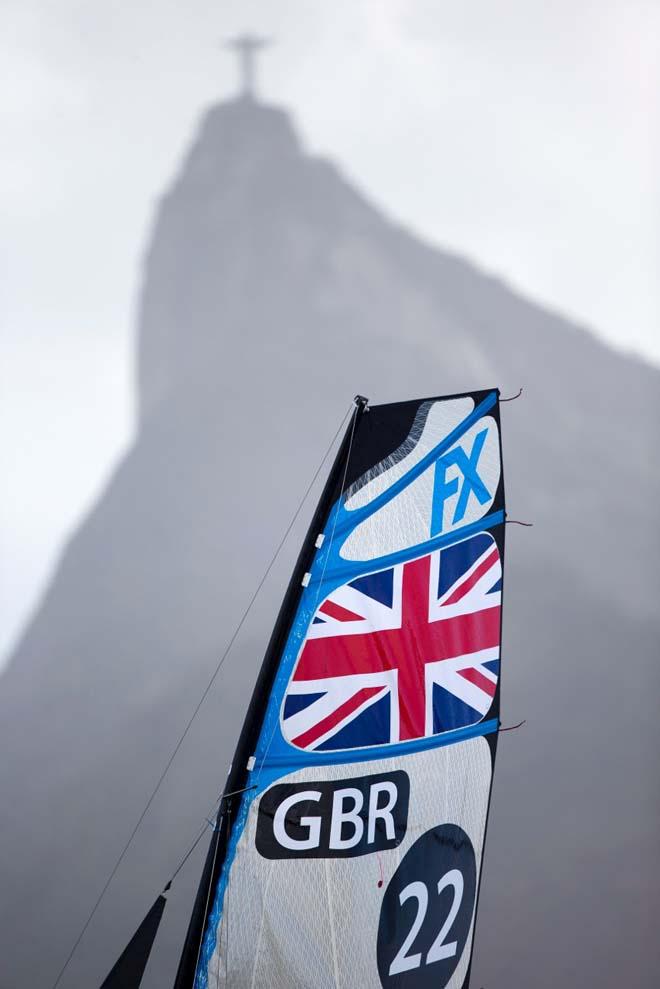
<point x="246" y="47"/>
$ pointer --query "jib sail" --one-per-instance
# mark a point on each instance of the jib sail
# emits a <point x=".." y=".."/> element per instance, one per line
<point x="349" y="846"/>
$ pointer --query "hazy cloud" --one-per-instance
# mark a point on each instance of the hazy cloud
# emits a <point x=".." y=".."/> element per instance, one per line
<point x="521" y="134"/>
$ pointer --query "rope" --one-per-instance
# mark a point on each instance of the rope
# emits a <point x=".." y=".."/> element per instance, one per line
<point x="192" y="717"/>
<point x="513" y="727"/>
<point x="325" y="563"/>
<point x="512" y="398"/>
<point x="206" y="905"/>
<point x="188" y="854"/>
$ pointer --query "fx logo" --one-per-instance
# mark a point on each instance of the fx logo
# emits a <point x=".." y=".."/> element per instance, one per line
<point x="456" y="473"/>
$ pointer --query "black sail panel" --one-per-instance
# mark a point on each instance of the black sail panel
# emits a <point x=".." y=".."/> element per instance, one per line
<point x="129" y="968"/>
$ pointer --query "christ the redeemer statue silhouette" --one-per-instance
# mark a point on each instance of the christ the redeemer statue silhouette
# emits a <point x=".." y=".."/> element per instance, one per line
<point x="246" y="46"/>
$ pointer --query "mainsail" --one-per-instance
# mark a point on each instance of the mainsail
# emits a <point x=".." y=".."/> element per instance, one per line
<point x="348" y="848"/>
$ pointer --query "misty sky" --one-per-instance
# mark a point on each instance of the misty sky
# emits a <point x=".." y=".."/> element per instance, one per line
<point x="522" y="134"/>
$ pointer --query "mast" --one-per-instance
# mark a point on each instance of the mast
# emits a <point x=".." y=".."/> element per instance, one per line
<point x="238" y="772"/>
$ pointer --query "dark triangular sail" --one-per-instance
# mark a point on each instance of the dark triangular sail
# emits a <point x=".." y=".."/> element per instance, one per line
<point x="129" y="968"/>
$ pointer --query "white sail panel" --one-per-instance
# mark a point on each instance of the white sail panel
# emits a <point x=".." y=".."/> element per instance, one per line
<point x="457" y="489"/>
<point x="317" y="921"/>
<point x="406" y="652"/>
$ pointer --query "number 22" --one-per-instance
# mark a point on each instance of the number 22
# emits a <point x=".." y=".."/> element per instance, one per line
<point x="403" y="962"/>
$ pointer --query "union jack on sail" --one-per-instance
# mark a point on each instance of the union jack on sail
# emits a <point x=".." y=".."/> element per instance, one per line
<point x="400" y="654"/>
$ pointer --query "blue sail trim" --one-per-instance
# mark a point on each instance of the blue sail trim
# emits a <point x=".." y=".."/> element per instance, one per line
<point x="346" y="572"/>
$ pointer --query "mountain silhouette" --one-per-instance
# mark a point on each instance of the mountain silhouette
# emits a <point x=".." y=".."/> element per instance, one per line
<point x="272" y="292"/>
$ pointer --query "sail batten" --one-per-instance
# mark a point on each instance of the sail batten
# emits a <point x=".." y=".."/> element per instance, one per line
<point x="354" y="854"/>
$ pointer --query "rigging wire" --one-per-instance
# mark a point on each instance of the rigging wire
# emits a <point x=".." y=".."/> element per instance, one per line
<point x="194" y="714"/>
<point x="188" y="854"/>
<point x="208" y="823"/>
<point x="325" y="563"/>
<point x="208" y="898"/>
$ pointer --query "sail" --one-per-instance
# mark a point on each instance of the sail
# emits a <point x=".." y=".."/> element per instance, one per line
<point x="129" y="968"/>
<point x="352" y="853"/>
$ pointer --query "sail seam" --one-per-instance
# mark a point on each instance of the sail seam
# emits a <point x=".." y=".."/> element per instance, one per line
<point x="377" y="752"/>
<point x="333" y="939"/>
<point x="261" y="926"/>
